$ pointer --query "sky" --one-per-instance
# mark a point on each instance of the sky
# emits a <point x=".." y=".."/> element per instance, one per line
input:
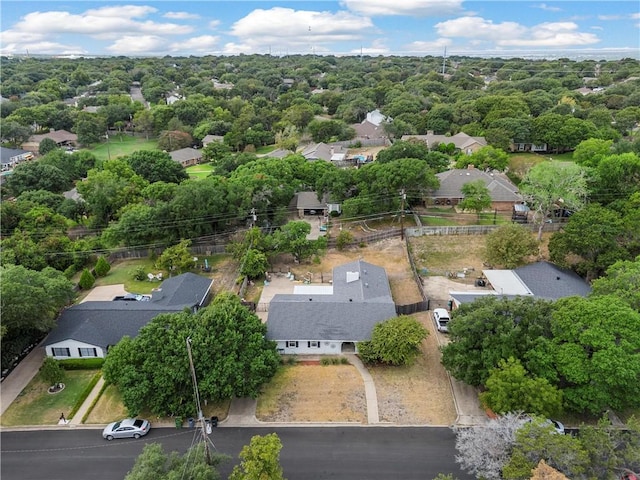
<point x="551" y="29"/>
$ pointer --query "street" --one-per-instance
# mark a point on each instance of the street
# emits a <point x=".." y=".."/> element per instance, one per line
<point x="366" y="453"/>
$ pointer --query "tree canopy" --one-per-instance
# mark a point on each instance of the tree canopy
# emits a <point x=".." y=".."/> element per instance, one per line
<point x="395" y="341"/>
<point x="152" y="369"/>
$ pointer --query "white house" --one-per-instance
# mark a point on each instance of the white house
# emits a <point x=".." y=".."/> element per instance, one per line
<point x="90" y="328"/>
<point x="331" y="319"/>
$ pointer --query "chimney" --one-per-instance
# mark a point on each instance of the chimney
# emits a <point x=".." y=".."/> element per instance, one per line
<point x="471" y="166"/>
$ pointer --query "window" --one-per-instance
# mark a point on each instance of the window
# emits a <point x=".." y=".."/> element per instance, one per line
<point x="61" y="352"/>
<point x="313" y="344"/>
<point x="292" y="344"/>
<point x="87" y="352"/>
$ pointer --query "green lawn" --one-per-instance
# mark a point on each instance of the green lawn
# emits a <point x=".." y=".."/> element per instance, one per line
<point x="35" y="406"/>
<point x="121" y="145"/>
<point x="435" y="221"/>
<point x="200" y="171"/>
<point x="266" y="149"/>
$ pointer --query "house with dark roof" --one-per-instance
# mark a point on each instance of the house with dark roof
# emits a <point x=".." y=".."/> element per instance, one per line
<point x="186" y="156"/>
<point x="540" y="280"/>
<point x="503" y="192"/>
<point x="331" y="319"/>
<point x="463" y="142"/>
<point x="89" y="329"/>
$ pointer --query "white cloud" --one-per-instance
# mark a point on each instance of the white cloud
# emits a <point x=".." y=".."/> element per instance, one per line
<point x="181" y="16"/>
<point x="422" y="8"/>
<point x="138" y="45"/>
<point x="213" y="24"/>
<point x="42" y="47"/>
<point x="510" y="34"/>
<point x="595" y="27"/>
<point x="421" y="47"/>
<point x="102" y="21"/>
<point x="201" y="44"/>
<point x="285" y="28"/>
<point x="378" y="47"/>
<point x="548" y="8"/>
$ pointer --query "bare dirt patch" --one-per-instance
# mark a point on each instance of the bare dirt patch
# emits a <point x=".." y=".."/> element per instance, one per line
<point x="314" y="393"/>
<point x="418" y="394"/>
<point x="390" y="254"/>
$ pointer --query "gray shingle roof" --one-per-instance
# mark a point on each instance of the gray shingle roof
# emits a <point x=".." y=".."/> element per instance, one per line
<point x="185" y="154"/>
<point x="546" y="280"/>
<point x="309" y="201"/>
<point x="361" y="299"/>
<point x="105" y="323"/>
<point x="186" y="289"/>
<point x="501" y="189"/>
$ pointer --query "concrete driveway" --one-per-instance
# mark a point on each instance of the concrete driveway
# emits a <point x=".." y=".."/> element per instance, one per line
<point x="106" y="293"/>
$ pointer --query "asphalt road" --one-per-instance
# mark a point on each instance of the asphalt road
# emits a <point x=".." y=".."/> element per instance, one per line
<point x="350" y="453"/>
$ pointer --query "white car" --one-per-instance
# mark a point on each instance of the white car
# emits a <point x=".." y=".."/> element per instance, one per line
<point x="441" y="319"/>
<point x="127" y="428"/>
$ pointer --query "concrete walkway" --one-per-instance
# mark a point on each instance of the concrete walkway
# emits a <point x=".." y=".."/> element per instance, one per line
<point x="242" y="413"/>
<point x="20" y="377"/>
<point x="369" y="389"/>
<point x="88" y="402"/>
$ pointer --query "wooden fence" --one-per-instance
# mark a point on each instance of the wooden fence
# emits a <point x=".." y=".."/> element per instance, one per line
<point x="471" y="229"/>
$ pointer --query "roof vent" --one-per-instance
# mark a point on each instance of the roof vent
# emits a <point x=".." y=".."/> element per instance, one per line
<point x="557" y="278"/>
<point x="311" y="299"/>
<point x="353" y="276"/>
<point x="351" y="299"/>
<point x="366" y="285"/>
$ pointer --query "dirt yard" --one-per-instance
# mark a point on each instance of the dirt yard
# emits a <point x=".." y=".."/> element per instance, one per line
<point x="314" y="393"/>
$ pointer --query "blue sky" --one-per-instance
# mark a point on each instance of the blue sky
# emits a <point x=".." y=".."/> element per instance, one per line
<point x="571" y="28"/>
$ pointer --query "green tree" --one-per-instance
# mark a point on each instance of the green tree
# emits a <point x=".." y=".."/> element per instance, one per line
<point x="176" y="259"/>
<point x="551" y="185"/>
<point x="15" y="133"/>
<point x="622" y="280"/>
<point x="589" y="152"/>
<point x="47" y="145"/>
<point x="102" y="267"/>
<point x="485" y="158"/>
<point x="154" y="463"/>
<point x="492" y="329"/>
<point x="260" y="460"/>
<point x="30" y="300"/>
<point x="236" y="361"/>
<point x="90" y="128"/>
<point x="596" y="345"/>
<point x="51" y="371"/>
<point x="344" y="239"/>
<point x="510" y="388"/>
<point x="292" y="238"/>
<point x="155" y="166"/>
<point x="171" y="140"/>
<point x="395" y="341"/>
<point x="86" y="280"/>
<point x="476" y="197"/>
<point x="38" y="176"/>
<point x="594" y="235"/>
<point x="535" y="441"/>
<point x="254" y="264"/>
<point x="509" y="245"/>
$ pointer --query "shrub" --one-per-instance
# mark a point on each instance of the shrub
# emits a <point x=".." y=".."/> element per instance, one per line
<point x="51" y="371"/>
<point x="344" y="239"/>
<point x="139" y="274"/>
<point x="102" y="267"/>
<point x="86" y="280"/>
<point x="395" y="342"/>
<point x="81" y="363"/>
<point x="85" y="393"/>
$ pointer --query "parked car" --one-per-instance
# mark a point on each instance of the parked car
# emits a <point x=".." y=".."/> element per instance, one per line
<point x="127" y="428"/>
<point x="441" y="319"/>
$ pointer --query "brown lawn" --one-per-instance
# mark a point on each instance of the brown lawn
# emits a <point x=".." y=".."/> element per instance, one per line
<point x="314" y="393"/>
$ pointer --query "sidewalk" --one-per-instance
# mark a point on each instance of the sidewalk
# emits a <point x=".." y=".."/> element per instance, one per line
<point x="20" y="377"/>
<point x="84" y="408"/>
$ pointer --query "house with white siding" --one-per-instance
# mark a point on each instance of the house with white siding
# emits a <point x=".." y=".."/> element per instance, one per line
<point x="331" y="319"/>
<point x="89" y="329"/>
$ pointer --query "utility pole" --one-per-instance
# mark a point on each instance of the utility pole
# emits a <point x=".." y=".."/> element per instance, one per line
<point x="196" y="395"/>
<point x="403" y="197"/>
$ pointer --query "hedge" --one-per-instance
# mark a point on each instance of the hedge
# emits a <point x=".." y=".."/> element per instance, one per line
<point x="82" y="363"/>
<point x="85" y="394"/>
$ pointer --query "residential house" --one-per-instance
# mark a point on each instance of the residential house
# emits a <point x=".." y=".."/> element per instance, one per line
<point x="277" y="153"/>
<point x="463" y="142"/>
<point x="61" y="137"/>
<point x="331" y="319"/>
<point x="504" y="194"/>
<point x="10" y="157"/>
<point x="89" y="329"/>
<point x="322" y="151"/>
<point x="307" y="203"/>
<point x="539" y="280"/>
<point x="187" y="156"/>
<point x="211" y="138"/>
<point x="527" y="147"/>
